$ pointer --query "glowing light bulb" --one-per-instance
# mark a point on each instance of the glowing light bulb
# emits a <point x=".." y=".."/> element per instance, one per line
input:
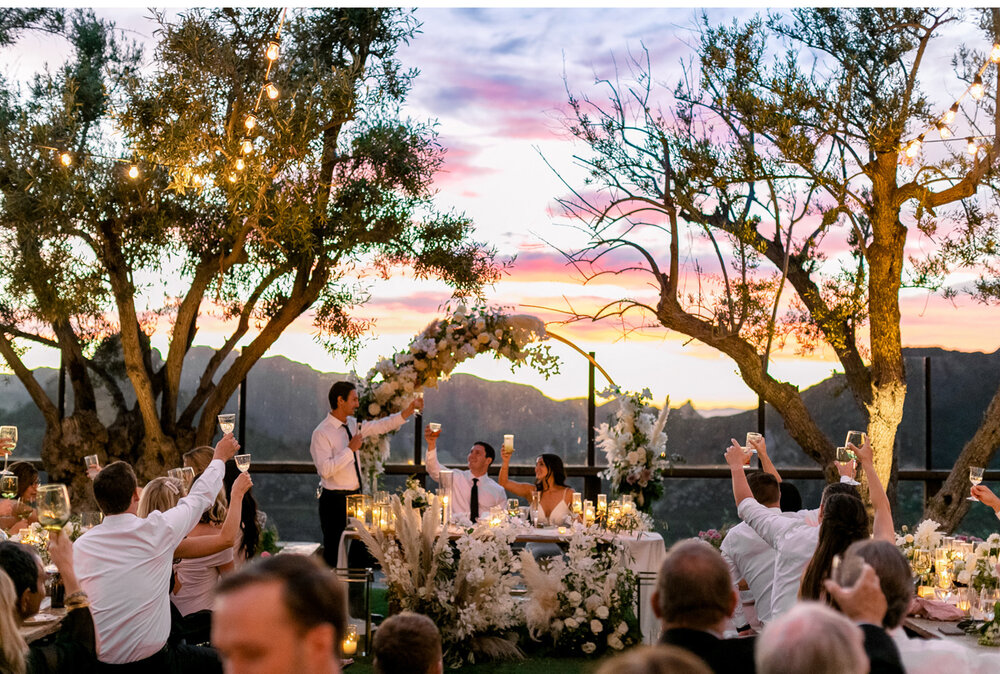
<point x="972" y="147"/>
<point x="995" y="54"/>
<point x="913" y="149"/>
<point x="251" y="121"/>
<point x="977" y="90"/>
<point x="247" y="146"/>
<point x="133" y="172"/>
<point x="943" y="130"/>
<point x="240" y="165"/>
<point x="949" y="116"/>
<point x="272" y="91"/>
<point x="272" y="50"/>
<point x="232" y="177"/>
<point x="66" y="158"/>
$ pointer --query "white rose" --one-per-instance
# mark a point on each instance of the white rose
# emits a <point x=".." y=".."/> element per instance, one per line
<point x="615" y="643"/>
<point x="483" y="338"/>
<point x="374" y="409"/>
<point x="622" y="628"/>
<point x="574" y="598"/>
<point x="593" y="601"/>
<point x="603" y="612"/>
<point x="909" y="538"/>
<point x="498" y="332"/>
<point x="588" y="648"/>
<point x="571" y="624"/>
<point x="596" y="626"/>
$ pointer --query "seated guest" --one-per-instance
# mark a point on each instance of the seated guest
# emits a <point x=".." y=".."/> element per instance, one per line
<point x="407" y="643"/>
<point x="811" y="638"/>
<point x="793" y="538"/>
<point x="655" y="660"/>
<point x="550" y="483"/>
<point x="473" y="492"/>
<point x="22" y="588"/>
<point x="280" y="615"/>
<point x="17" y="513"/>
<point x="694" y="599"/>
<point x="124" y="564"/>
<point x="867" y="606"/>
<point x="749" y="557"/>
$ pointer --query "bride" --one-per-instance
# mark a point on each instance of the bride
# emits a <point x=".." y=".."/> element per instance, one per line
<point x="550" y="483"/>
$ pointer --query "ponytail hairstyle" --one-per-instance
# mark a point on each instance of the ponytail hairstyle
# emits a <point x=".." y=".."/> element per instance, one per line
<point x="844" y="521"/>
<point x="161" y="494"/>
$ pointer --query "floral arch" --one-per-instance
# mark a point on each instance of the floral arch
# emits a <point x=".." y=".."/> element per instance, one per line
<point x="433" y="355"/>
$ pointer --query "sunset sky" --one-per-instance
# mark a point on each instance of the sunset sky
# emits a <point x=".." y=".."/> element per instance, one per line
<point x="493" y="80"/>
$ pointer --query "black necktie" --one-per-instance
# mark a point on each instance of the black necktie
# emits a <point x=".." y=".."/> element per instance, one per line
<point x="357" y="466"/>
<point x="474" y="500"/>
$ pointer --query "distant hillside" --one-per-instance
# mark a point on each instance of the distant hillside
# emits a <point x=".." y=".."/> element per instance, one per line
<point x="286" y="399"/>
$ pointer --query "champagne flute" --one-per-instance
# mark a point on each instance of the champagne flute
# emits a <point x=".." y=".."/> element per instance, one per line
<point x="242" y="462"/>
<point x="844" y="455"/>
<point x="8" y="485"/>
<point x="53" y="506"/>
<point x="975" y="477"/>
<point x="227" y="422"/>
<point x="187" y="474"/>
<point x="856" y="438"/>
<point x="8" y="433"/>
<point x="434" y="426"/>
<point x="921" y="561"/>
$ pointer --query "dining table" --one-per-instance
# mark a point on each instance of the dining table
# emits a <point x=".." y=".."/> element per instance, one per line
<point x="941" y="646"/>
<point x="646" y="552"/>
<point x="47" y="621"/>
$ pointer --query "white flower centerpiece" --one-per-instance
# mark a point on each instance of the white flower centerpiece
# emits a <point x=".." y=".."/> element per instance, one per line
<point x="979" y="570"/>
<point x="467" y="595"/>
<point x="584" y="602"/>
<point x="434" y="353"/>
<point x="635" y="447"/>
<point x="926" y="537"/>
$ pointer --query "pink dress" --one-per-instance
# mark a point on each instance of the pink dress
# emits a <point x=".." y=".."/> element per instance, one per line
<point x="197" y="579"/>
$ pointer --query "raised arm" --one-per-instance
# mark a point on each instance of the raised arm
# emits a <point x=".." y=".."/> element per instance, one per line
<point x="517" y="488"/>
<point x="202" y="546"/>
<point x="987" y="497"/>
<point x="433" y="465"/>
<point x="765" y="460"/>
<point x="882" y="528"/>
<point x="741" y="488"/>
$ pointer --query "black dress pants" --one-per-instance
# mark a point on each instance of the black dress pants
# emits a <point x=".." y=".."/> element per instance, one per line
<point x="333" y="521"/>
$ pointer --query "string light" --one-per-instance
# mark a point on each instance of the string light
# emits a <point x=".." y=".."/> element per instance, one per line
<point x="251" y="121"/>
<point x="240" y="164"/>
<point x="995" y="54"/>
<point x="272" y="91"/>
<point x="913" y="149"/>
<point x="273" y="49"/>
<point x="943" y="130"/>
<point x="66" y="158"/>
<point x="232" y="177"/>
<point x="977" y="90"/>
<point x="247" y="146"/>
<point x="133" y="172"/>
<point x="949" y="116"/>
<point x="972" y="147"/>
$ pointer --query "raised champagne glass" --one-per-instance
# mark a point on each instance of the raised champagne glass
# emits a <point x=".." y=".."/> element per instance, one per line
<point x="975" y="477"/>
<point x="242" y="462"/>
<point x="844" y="455"/>
<point x="227" y="422"/>
<point x="53" y="506"/>
<point x="856" y="438"/>
<point x="8" y="485"/>
<point x="9" y="434"/>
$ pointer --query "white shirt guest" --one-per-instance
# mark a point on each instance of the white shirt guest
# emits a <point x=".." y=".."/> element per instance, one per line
<point x="481" y="455"/>
<point x="124" y="563"/>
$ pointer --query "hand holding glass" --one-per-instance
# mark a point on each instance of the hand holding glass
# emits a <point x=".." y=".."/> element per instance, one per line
<point x="8" y="485"/>
<point x="227" y="422"/>
<point x="975" y="477"/>
<point x="844" y="455"/>
<point x="9" y="435"/>
<point x="856" y="438"/>
<point x="242" y="462"/>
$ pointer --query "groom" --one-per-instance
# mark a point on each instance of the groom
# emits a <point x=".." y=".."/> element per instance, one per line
<point x="334" y="449"/>
<point x="473" y="491"/>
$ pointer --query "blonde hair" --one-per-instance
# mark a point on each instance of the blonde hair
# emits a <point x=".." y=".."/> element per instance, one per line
<point x="199" y="458"/>
<point x="161" y="494"/>
<point x="13" y="649"/>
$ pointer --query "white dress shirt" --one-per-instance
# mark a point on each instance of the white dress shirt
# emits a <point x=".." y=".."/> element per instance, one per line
<point x="750" y="558"/>
<point x="334" y="460"/>
<point x="123" y="565"/>
<point x="794" y="541"/>
<point x="490" y="493"/>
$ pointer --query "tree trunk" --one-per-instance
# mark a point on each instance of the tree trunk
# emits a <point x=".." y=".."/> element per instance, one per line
<point x="949" y="506"/>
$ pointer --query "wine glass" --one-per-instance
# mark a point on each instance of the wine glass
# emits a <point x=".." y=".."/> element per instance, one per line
<point x="53" y="506"/>
<point x="975" y="477"/>
<point x="434" y="426"/>
<point x="242" y="462"/>
<point x="856" y="438"/>
<point x="8" y="485"/>
<point x="8" y="433"/>
<point x="513" y="507"/>
<point x="844" y="455"/>
<point x="187" y="474"/>
<point x="227" y="422"/>
<point x="921" y="561"/>
<point x="752" y="440"/>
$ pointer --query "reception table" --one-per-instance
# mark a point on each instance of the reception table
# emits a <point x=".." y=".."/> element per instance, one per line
<point x="646" y="553"/>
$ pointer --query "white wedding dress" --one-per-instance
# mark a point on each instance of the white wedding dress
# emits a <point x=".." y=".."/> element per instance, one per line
<point x="558" y="515"/>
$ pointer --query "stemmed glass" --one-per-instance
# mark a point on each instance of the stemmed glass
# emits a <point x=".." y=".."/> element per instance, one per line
<point x="53" y="506"/>
<point x="242" y="462"/>
<point x="975" y="477"/>
<point x="8" y="485"/>
<point x="227" y="422"/>
<point x="8" y="433"/>
<point x="749" y="448"/>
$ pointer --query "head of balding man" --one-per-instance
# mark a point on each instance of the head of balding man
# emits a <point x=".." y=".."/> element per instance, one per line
<point x="693" y="588"/>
